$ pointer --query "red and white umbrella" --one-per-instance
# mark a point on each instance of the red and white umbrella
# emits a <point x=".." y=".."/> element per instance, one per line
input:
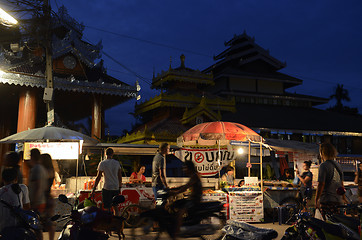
<point x="217" y="133"/>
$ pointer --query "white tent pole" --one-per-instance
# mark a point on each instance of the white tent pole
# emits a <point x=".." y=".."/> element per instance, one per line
<point x="249" y="160"/>
<point x="261" y="166"/>
<point x="219" y="158"/>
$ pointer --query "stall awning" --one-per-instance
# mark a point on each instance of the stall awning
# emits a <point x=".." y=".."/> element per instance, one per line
<point x="290" y="145"/>
<point x="126" y="149"/>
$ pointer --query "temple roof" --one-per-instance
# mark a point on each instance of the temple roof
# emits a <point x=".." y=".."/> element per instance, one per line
<point x="67" y="38"/>
<point x="181" y="74"/>
<point x="288" y="81"/>
<point x="242" y="50"/>
<point x="70" y="84"/>
<point x="293" y="119"/>
<point x="164" y="130"/>
<point x="184" y="101"/>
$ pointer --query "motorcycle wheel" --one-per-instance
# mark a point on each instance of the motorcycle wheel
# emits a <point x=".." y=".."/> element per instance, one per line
<point x="131" y="214"/>
<point x="142" y="229"/>
<point x="218" y="222"/>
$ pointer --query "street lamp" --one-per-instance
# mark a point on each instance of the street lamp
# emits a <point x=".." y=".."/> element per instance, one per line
<point x="6" y="19"/>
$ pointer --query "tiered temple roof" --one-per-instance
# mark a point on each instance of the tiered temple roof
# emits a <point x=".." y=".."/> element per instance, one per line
<point x="181" y="103"/>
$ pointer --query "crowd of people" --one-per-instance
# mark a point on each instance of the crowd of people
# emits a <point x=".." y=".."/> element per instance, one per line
<point x="35" y="195"/>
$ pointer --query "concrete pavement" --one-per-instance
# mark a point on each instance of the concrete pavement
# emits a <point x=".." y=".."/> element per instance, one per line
<point x="279" y="228"/>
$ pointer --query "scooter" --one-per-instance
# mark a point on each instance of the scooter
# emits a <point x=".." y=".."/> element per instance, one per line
<point x="89" y="222"/>
<point x="28" y="224"/>
<point x="308" y="227"/>
<point x="206" y="222"/>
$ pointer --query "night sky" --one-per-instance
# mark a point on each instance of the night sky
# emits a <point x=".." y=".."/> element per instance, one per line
<point x="321" y="41"/>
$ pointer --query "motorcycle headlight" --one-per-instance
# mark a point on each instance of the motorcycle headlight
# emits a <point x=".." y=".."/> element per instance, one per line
<point x="32" y="220"/>
<point x="88" y="217"/>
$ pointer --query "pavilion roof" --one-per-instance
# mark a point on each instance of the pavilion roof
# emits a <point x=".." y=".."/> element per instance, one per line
<point x="182" y="74"/>
<point x="71" y="84"/>
<point x="295" y="119"/>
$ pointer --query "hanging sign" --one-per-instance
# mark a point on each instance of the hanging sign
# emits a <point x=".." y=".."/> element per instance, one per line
<point x="57" y="150"/>
<point x="209" y="161"/>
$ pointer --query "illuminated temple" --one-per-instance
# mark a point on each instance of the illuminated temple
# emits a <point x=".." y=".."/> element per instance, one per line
<point x="182" y="103"/>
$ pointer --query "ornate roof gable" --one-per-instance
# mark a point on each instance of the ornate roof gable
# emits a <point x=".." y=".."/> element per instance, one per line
<point x="70" y="39"/>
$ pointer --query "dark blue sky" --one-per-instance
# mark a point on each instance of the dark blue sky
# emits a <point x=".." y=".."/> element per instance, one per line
<point x="321" y="41"/>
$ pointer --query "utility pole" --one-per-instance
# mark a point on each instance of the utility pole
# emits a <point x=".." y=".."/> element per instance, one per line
<point x="48" y="91"/>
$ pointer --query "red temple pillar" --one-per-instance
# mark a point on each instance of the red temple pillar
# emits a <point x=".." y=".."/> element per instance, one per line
<point x="5" y="130"/>
<point x="97" y="117"/>
<point x="26" y="118"/>
<point x="27" y="110"/>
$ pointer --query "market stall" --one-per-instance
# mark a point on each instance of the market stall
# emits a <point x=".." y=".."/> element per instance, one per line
<point x="214" y="145"/>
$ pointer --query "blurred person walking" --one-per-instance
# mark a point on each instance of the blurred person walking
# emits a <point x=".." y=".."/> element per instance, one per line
<point x="306" y="179"/>
<point x="111" y="170"/>
<point x="38" y="180"/>
<point x="159" y="180"/>
<point x="49" y="226"/>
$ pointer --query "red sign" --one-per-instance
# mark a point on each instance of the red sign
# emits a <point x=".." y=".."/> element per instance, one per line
<point x="199" y="157"/>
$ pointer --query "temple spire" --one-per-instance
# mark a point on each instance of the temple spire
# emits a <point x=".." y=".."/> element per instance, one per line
<point x="182" y="57"/>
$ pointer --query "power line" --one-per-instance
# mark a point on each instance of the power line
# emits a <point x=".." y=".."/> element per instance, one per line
<point x="109" y="56"/>
<point x="150" y="42"/>
<point x="128" y="69"/>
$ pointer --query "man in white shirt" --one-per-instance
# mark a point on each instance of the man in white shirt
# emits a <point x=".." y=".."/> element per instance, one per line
<point x="7" y="219"/>
<point x="111" y="169"/>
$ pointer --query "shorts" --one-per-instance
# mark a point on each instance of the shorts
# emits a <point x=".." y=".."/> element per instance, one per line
<point x="107" y="196"/>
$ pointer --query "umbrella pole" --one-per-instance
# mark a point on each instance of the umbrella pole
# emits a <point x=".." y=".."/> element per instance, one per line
<point x="76" y="176"/>
<point x="76" y="169"/>
<point x="261" y="167"/>
<point x="249" y="159"/>
<point x="219" y="158"/>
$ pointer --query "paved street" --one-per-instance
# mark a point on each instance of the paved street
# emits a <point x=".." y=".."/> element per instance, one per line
<point x="279" y="228"/>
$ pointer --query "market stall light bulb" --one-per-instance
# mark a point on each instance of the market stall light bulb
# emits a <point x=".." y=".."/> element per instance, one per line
<point x="240" y="151"/>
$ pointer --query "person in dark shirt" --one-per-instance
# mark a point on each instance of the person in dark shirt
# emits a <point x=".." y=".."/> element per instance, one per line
<point x="306" y="179"/>
<point x="330" y="181"/>
<point x="358" y="180"/>
<point x="193" y="201"/>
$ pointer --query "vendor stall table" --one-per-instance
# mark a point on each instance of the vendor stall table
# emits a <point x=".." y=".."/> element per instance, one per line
<point x="133" y="193"/>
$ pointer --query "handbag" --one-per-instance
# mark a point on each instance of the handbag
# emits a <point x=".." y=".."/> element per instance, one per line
<point x="318" y="214"/>
<point x="296" y="180"/>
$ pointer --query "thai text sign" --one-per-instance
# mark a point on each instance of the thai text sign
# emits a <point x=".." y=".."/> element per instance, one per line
<point x="57" y="150"/>
<point x="208" y="161"/>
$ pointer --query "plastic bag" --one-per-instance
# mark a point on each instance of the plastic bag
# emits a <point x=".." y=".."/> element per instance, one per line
<point x="318" y="214"/>
<point x="296" y="180"/>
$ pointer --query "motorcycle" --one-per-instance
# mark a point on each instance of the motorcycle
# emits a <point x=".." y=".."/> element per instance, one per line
<point x="206" y="222"/>
<point x="308" y="227"/>
<point x="89" y="222"/>
<point x="28" y="224"/>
